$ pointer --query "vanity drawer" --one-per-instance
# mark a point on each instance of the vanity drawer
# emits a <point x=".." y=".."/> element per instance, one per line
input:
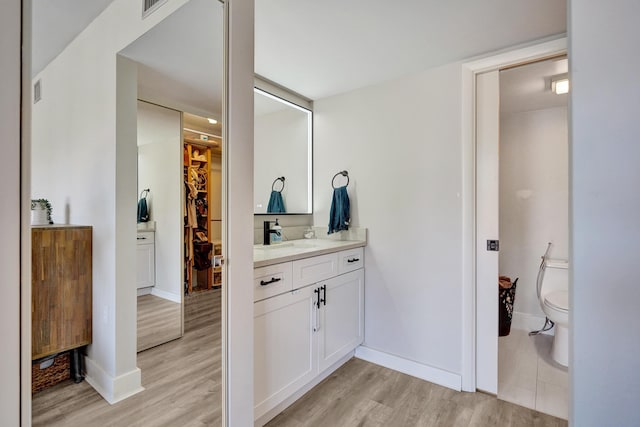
<point x="311" y="270"/>
<point x="145" y="237"/>
<point x="350" y="260"/>
<point x="271" y="280"/>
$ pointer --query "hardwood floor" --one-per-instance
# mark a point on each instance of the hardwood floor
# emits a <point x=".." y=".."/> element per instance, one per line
<point x="364" y="394"/>
<point x="158" y="321"/>
<point x="183" y="388"/>
<point x="182" y="381"/>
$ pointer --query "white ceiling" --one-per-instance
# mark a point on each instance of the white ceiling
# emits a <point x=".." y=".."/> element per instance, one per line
<point x="528" y="87"/>
<point x="321" y="48"/>
<point x="180" y="60"/>
<point x="56" y="23"/>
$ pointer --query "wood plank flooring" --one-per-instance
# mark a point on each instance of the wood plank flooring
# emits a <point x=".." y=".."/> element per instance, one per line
<point x="182" y="381"/>
<point x="183" y="388"/>
<point x="159" y="321"/>
<point x="364" y="394"/>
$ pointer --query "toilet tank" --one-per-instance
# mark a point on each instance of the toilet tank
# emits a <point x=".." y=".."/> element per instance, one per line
<point x="556" y="276"/>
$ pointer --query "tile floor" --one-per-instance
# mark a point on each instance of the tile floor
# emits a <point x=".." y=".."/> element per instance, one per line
<point x="528" y="376"/>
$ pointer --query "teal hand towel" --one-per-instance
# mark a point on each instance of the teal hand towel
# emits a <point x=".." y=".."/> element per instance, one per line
<point x="276" y="203"/>
<point x="339" y="215"/>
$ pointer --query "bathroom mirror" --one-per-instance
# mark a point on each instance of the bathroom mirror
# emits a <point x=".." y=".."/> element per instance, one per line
<point x="282" y="149"/>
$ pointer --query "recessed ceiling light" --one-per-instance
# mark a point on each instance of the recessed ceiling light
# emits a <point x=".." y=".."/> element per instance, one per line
<point x="213" y="121"/>
<point x="560" y="84"/>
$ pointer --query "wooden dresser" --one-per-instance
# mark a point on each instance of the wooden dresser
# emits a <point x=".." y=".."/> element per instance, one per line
<point x="61" y="285"/>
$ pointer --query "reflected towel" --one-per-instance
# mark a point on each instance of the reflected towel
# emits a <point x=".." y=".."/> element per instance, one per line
<point x="143" y="210"/>
<point x="339" y="215"/>
<point x="276" y="204"/>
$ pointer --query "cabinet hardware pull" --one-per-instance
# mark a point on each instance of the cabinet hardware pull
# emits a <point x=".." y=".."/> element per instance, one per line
<point x="324" y="294"/>
<point x="353" y="260"/>
<point x="316" y="318"/>
<point x="273" y="280"/>
<point x="317" y="291"/>
<point x="141" y="238"/>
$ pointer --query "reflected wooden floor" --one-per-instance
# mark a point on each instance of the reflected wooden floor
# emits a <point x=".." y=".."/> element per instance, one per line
<point x="363" y="394"/>
<point x="158" y="321"/>
<point x="182" y="381"/>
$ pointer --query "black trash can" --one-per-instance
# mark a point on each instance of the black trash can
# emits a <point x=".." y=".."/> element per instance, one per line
<point x="506" y="298"/>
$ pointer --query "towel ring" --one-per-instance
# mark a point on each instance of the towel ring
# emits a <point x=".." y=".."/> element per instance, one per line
<point x="273" y="185"/>
<point x="343" y="173"/>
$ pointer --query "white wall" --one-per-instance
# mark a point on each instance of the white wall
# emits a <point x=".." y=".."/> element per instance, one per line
<point x="400" y="142"/>
<point x="160" y="170"/>
<point x="80" y="165"/>
<point x="534" y="198"/>
<point x="281" y="150"/>
<point x="10" y="20"/>
<point x="605" y="211"/>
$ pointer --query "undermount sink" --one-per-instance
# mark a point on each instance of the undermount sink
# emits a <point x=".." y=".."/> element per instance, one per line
<point x="298" y="244"/>
<point x="274" y="246"/>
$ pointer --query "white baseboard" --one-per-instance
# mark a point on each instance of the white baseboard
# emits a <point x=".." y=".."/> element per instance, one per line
<point x="166" y="295"/>
<point x="113" y="389"/>
<point x="409" y="367"/>
<point x="528" y="322"/>
<point x="144" y="291"/>
<point x="269" y="415"/>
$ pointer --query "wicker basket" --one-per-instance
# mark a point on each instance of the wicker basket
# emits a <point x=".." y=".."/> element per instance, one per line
<point x="54" y="374"/>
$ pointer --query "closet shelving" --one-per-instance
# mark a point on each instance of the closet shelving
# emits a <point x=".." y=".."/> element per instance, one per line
<point x="199" y="248"/>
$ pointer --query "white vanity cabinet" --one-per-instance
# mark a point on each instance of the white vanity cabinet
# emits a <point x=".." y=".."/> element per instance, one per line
<point x="146" y="259"/>
<point x="284" y="348"/>
<point x="341" y="317"/>
<point x="315" y="321"/>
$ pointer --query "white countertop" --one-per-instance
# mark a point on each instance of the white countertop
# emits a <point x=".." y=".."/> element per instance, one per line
<point x="146" y="226"/>
<point x="298" y="249"/>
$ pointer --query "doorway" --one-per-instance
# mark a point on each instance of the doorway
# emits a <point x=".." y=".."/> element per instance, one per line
<point x="480" y="214"/>
<point x="533" y="193"/>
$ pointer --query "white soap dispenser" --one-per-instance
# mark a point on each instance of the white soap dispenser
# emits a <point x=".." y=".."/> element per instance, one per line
<point x="276" y="235"/>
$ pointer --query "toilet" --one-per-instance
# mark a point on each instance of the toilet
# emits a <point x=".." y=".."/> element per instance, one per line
<point x="554" y="300"/>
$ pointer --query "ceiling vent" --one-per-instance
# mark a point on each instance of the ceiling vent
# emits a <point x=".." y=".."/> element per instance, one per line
<point x="150" y="6"/>
<point x="37" y="91"/>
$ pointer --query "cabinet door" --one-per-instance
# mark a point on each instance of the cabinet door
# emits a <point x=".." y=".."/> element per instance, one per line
<point x="350" y="260"/>
<point x="311" y="270"/>
<point x="61" y="274"/>
<point x="146" y="271"/>
<point x="341" y="317"/>
<point x="271" y="280"/>
<point x="283" y="347"/>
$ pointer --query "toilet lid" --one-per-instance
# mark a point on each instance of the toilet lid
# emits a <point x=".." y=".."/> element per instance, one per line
<point x="558" y="300"/>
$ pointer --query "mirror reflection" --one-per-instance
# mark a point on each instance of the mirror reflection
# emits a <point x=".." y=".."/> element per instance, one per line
<point x="158" y="267"/>
<point x="282" y="156"/>
<point x="114" y="128"/>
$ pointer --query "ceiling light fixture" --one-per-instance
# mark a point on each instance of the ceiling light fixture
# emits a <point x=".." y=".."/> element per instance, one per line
<point x="201" y="133"/>
<point x="213" y="121"/>
<point x="560" y="84"/>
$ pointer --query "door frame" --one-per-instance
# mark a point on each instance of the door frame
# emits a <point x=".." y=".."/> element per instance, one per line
<point x="471" y="311"/>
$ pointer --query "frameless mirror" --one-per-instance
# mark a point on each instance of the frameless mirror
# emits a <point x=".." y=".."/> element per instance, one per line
<point x="282" y="177"/>
<point x="158" y="263"/>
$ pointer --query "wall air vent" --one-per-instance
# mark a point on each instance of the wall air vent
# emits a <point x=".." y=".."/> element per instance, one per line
<point x="150" y="6"/>
<point x="37" y="91"/>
